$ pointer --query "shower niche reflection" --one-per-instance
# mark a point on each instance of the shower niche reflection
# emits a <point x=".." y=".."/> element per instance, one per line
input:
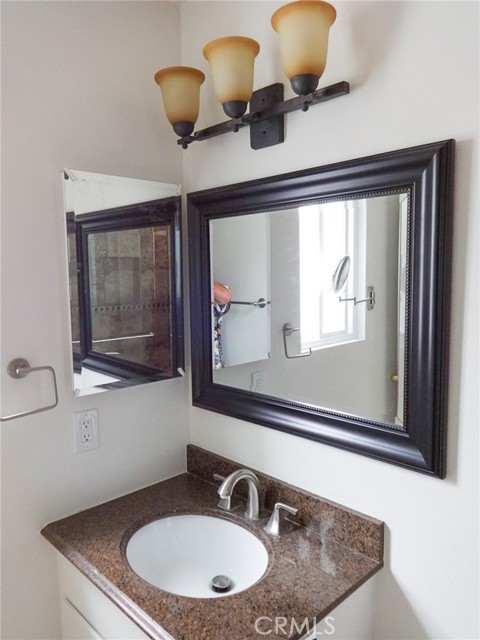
<point x="125" y="288"/>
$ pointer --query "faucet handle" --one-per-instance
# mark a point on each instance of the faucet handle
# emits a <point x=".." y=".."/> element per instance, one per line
<point x="273" y="526"/>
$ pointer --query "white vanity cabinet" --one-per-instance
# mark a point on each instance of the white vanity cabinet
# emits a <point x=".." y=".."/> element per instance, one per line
<point x="86" y="613"/>
<point x="353" y="619"/>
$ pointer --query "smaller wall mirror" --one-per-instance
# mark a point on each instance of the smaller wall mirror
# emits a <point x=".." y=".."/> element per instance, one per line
<point x="123" y="238"/>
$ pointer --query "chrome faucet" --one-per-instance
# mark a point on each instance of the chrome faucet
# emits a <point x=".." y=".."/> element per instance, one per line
<point x="226" y="489"/>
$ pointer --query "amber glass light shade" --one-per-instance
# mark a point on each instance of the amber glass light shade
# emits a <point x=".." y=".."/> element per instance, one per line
<point x="303" y="27"/>
<point x="231" y="62"/>
<point x="181" y="96"/>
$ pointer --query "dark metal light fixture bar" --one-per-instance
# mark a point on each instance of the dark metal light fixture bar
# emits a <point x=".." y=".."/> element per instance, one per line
<point x="267" y="108"/>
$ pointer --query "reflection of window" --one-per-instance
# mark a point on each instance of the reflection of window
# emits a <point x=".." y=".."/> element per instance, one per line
<point x="327" y="233"/>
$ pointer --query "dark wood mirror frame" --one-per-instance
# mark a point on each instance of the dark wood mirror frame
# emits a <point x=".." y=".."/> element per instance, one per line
<point x="165" y="212"/>
<point x="426" y="173"/>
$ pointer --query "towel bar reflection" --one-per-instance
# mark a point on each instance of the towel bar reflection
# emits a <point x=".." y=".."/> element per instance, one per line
<point x="150" y="334"/>
<point x="261" y="302"/>
<point x="19" y="368"/>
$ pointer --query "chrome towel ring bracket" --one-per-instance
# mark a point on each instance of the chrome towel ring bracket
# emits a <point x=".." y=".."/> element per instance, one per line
<point x="19" y="368"/>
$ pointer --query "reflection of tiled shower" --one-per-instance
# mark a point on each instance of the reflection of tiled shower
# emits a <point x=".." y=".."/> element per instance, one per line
<point x="130" y="294"/>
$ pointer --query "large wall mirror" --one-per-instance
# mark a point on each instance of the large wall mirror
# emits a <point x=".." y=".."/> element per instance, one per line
<point x="320" y="303"/>
<point x="123" y="239"/>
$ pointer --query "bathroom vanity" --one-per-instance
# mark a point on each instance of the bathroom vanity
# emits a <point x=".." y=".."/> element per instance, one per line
<point x="312" y="571"/>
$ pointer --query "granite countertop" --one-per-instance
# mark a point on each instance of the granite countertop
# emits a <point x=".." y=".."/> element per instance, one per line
<point x="309" y="572"/>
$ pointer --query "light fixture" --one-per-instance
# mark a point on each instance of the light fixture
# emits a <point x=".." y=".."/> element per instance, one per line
<point x="181" y="96"/>
<point x="231" y="62"/>
<point x="303" y="29"/>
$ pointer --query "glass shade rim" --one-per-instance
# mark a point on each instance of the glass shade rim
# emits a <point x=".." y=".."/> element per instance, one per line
<point x="176" y="71"/>
<point x="291" y="7"/>
<point x="209" y="48"/>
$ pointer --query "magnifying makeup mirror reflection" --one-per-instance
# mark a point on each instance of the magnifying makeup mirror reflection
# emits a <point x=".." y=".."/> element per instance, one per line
<point x="340" y="275"/>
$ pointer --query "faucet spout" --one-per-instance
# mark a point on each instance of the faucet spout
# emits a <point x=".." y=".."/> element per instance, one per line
<point x="226" y="489"/>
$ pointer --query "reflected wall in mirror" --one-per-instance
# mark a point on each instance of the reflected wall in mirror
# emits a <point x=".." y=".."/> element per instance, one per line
<point x="125" y="286"/>
<point x="352" y="263"/>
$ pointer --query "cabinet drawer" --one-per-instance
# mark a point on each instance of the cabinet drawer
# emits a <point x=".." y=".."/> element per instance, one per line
<point x="87" y="613"/>
<point x="74" y="625"/>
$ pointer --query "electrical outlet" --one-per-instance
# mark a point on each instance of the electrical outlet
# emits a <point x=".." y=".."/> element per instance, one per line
<point x="257" y="381"/>
<point x="85" y="430"/>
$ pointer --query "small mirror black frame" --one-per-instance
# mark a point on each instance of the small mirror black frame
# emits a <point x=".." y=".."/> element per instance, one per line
<point x="426" y="174"/>
<point x="162" y="212"/>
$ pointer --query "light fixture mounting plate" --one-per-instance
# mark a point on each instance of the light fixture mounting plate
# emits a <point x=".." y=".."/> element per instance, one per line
<point x="270" y="132"/>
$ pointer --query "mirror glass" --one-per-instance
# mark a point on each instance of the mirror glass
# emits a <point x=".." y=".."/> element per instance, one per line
<point x="123" y="238"/>
<point x="350" y="338"/>
<point x="320" y="303"/>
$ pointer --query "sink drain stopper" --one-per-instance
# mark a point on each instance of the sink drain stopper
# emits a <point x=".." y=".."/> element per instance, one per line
<point x="221" y="584"/>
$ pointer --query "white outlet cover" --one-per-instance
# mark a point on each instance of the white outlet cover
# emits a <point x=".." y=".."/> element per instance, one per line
<point x="85" y="430"/>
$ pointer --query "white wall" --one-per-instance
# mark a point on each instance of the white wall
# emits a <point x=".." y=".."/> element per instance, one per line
<point x="77" y="91"/>
<point x="413" y="69"/>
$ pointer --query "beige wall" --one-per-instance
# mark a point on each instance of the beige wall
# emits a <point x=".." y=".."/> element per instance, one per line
<point x="77" y="91"/>
<point x="413" y="69"/>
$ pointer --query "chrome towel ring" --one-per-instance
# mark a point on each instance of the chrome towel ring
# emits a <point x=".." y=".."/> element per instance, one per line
<point x="19" y="368"/>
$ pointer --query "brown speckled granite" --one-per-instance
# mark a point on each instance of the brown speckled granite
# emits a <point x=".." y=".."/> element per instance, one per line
<point x="331" y="520"/>
<point x="308" y="574"/>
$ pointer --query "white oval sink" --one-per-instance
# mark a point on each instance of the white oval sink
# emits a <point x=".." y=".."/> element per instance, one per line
<point x="182" y="554"/>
